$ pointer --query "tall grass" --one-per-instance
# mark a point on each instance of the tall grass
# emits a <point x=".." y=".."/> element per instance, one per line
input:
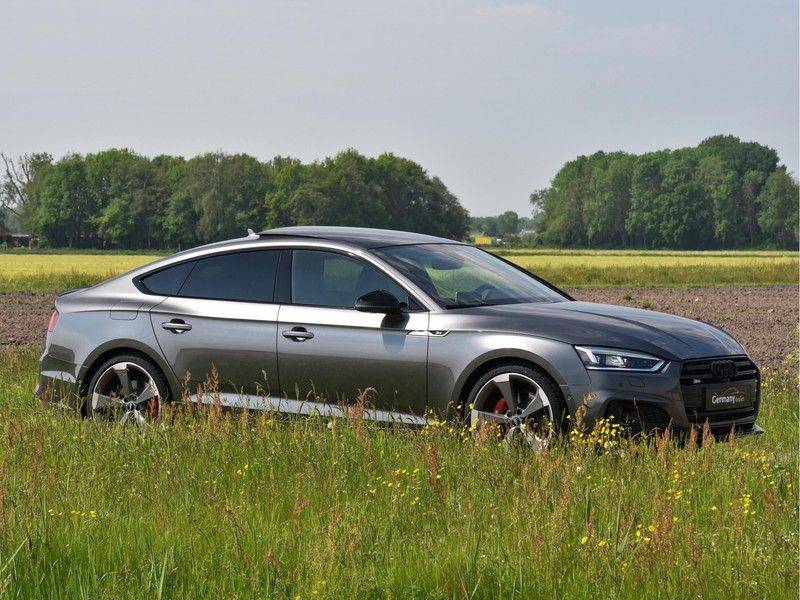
<point x="232" y="505"/>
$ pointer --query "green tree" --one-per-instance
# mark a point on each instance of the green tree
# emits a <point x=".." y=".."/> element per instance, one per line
<point x="732" y="173"/>
<point x="683" y="212"/>
<point x="562" y="220"/>
<point x="64" y="207"/>
<point x="608" y="198"/>
<point x="647" y="191"/>
<point x="706" y="196"/>
<point x="123" y="188"/>
<point x="778" y="217"/>
<point x="507" y="223"/>
<point x="485" y="225"/>
<point x="350" y="189"/>
<point x="218" y="196"/>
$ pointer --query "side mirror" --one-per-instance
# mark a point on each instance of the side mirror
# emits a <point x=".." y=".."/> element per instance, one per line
<point x="379" y="301"/>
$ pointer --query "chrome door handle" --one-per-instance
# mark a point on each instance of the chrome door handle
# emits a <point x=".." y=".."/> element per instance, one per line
<point x="176" y="326"/>
<point x="297" y="334"/>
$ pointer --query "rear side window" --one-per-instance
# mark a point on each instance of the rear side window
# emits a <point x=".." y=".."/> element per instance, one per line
<point x="244" y="276"/>
<point x="168" y="281"/>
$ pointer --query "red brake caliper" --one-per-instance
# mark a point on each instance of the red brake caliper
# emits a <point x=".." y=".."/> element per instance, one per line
<point x="501" y="406"/>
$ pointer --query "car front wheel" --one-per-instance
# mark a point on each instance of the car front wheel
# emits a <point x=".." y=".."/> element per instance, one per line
<point x="521" y="401"/>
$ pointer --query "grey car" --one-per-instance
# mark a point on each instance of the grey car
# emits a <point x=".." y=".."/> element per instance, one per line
<point x="303" y="319"/>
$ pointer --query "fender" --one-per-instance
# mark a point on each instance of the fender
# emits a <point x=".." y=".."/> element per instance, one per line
<point x="455" y="358"/>
<point x="123" y="344"/>
<point x="499" y="354"/>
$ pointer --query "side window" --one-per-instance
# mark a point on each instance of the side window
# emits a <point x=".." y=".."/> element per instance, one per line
<point x="168" y="281"/>
<point x="246" y="276"/>
<point x="329" y="279"/>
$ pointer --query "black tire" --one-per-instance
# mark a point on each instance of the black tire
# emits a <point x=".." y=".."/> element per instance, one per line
<point x="535" y="374"/>
<point x="138" y="364"/>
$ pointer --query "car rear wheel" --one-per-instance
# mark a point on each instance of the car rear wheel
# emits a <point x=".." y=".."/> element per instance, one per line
<point x="128" y="390"/>
<point x="521" y="401"/>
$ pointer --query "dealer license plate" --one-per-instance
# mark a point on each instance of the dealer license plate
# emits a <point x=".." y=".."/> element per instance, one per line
<point x="730" y="396"/>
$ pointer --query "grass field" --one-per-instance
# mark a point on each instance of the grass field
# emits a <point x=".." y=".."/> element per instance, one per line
<point x="635" y="252"/>
<point x="53" y="272"/>
<point x="36" y="272"/>
<point x="223" y="506"/>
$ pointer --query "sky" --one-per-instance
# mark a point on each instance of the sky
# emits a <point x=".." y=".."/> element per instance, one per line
<point x="492" y="97"/>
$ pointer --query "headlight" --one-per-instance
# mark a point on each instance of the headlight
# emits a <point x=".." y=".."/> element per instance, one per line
<point x="608" y="359"/>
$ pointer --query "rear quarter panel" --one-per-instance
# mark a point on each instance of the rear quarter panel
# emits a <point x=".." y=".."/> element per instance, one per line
<point x="99" y="320"/>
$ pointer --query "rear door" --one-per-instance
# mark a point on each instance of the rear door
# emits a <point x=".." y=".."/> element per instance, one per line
<point x="220" y="326"/>
<point x="329" y="351"/>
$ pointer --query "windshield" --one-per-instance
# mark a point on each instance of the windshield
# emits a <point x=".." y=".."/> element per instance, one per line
<point x="458" y="276"/>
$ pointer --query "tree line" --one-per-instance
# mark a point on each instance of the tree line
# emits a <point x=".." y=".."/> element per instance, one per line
<point x="503" y="225"/>
<point x="722" y="193"/>
<point x="120" y="199"/>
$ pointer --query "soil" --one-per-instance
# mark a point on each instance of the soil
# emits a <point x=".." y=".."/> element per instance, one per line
<point x="24" y="317"/>
<point x="763" y="318"/>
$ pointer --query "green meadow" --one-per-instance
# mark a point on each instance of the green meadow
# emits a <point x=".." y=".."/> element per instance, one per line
<point x="213" y="504"/>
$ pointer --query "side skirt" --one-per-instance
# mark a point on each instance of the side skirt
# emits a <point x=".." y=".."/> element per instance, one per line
<point x="307" y="407"/>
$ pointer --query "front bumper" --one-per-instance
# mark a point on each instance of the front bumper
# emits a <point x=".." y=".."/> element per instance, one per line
<point x="646" y="402"/>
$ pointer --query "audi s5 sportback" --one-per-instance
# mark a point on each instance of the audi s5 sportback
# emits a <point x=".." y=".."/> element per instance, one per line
<point x="300" y="319"/>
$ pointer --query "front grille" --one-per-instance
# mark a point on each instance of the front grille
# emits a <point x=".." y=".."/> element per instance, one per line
<point x="696" y="375"/>
<point x="698" y="372"/>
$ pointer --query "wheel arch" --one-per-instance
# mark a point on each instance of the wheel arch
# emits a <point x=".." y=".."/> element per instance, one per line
<point x="125" y="346"/>
<point x="485" y="363"/>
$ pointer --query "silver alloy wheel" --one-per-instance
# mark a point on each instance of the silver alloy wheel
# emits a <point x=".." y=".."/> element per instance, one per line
<point x="125" y="392"/>
<point x="518" y="405"/>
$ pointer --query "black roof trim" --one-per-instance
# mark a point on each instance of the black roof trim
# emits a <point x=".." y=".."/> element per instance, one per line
<point x="359" y="236"/>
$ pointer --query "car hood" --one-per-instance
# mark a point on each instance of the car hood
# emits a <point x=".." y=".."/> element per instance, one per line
<point x="588" y="323"/>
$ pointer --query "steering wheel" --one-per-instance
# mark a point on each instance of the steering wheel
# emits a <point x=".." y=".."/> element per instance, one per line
<point x="484" y="291"/>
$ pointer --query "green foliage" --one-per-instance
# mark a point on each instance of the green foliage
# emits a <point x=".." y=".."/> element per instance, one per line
<point x="224" y="506"/>
<point x="350" y="189"/>
<point x="779" y="208"/>
<point x="119" y="199"/>
<point x="506" y="226"/>
<point x="723" y="193"/>
<point x="64" y="209"/>
<point x="215" y="196"/>
<point x="561" y="222"/>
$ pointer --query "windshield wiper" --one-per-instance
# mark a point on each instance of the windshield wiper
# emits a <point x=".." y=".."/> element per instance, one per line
<point x="498" y="302"/>
<point x="467" y="304"/>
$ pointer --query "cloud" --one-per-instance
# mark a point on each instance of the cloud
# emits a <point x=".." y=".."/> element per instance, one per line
<point x="527" y="10"/>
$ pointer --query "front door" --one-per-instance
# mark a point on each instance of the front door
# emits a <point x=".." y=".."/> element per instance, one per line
<point x="328" y="351"/>
<point x="221" y="327"/>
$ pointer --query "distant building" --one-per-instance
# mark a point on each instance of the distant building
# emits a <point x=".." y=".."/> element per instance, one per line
<point x="483" y="240"/>
<point x="14" y="240"/>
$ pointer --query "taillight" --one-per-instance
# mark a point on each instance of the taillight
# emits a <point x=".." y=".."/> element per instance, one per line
<point x="53" y="320"/>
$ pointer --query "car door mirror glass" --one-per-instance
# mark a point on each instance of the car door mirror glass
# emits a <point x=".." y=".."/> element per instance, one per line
<point x="379" y="301"/>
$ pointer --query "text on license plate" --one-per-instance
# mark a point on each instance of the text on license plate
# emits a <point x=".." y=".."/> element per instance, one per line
<point x="730" y="395"/>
